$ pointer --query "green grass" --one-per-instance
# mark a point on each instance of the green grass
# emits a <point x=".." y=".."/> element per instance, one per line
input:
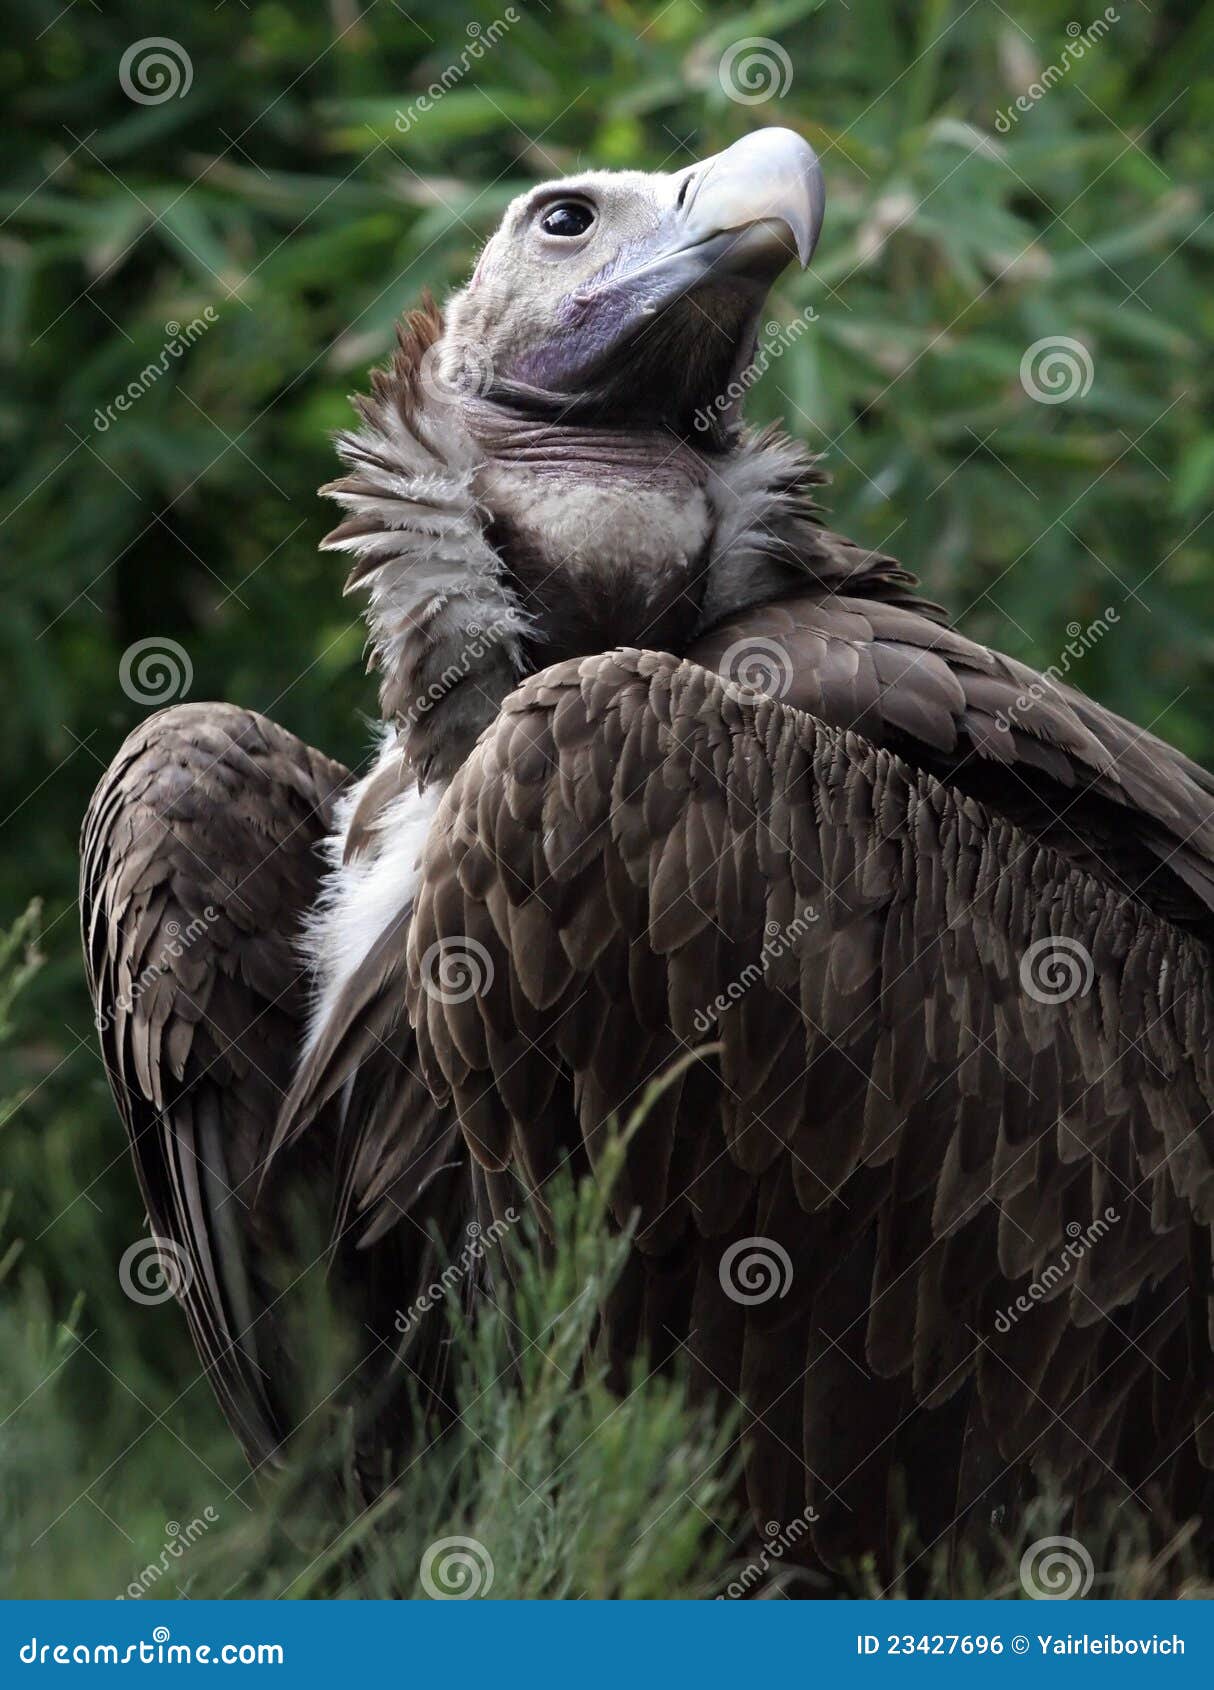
<point x="556" y="1487"/>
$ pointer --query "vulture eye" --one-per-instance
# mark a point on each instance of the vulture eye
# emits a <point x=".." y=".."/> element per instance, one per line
<point x="567" y="218"/>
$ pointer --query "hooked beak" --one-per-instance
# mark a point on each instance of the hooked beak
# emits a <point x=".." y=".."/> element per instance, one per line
<point x="666" y="327"/>
<point x="745" y="214"/>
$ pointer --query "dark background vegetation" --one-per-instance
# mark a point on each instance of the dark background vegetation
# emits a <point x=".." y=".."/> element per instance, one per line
<point x="280" y="193"/>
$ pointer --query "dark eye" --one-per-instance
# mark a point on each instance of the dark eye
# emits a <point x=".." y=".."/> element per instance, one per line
<point x="567" y="217"/>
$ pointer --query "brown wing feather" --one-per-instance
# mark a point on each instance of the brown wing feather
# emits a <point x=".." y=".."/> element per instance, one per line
<point x="919" y="1134"/>
<point x="1113" y="799"/>
<point x="199" y="860"/>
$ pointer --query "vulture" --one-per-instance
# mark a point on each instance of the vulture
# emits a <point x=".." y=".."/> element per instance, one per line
<point x="680" y="797"/>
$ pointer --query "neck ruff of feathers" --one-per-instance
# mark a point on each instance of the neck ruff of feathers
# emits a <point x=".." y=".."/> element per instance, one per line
<point x="489" y="544"/>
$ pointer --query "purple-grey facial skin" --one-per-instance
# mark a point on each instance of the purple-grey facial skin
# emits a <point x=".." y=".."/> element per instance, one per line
<point x="585" y="334"/>
<point x="670" y="308"/>
<point x="675" y="307"/>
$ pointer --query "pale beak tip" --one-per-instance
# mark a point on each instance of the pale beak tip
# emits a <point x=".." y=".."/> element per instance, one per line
<point x="771" y="173"/>
<point x="807" y="236"/>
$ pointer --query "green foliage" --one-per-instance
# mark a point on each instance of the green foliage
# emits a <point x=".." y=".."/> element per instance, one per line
<point x="282" y="197"/>
<point x="548" y="1483"/>
<point x="1127" y="1562"/>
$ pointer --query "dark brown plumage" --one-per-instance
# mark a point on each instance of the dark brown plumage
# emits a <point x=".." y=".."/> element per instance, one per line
<point x="948" y="922"/>
<point x="198" y="861"/>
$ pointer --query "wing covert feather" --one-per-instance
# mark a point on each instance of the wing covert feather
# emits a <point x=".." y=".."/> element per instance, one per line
<point x="198" y="863"/>
<point x="854" y="932"/>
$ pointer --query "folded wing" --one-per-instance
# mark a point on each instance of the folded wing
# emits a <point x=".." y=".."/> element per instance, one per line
<point x="199" y="861"/>
<point x="956" y="1063"/>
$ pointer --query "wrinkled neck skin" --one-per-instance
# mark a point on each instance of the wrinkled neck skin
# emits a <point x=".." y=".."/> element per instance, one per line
<point x="490" y="541"/>
<point x="604" y="532"/>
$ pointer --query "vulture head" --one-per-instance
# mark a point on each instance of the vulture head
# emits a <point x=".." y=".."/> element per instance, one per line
<point x="630" y="298"/>
<point x="536" y="479"/>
